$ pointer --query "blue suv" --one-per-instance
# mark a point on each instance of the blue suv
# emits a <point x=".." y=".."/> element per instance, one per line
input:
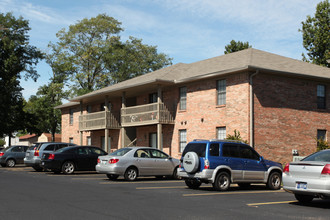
<point x="222" y="162"/>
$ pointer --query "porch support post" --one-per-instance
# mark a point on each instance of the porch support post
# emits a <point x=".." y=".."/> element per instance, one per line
<point x="106" y="130"/>
<point x="81" y="132"/>
<point x="123" y="131"/>
<point x="159" y="125"/>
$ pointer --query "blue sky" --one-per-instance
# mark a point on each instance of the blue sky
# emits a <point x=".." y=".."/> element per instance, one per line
<point x="186" y="30"/>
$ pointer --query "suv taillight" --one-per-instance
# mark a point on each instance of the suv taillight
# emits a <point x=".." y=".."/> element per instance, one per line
<point x="36" y="153"/>
<point x="113" y="161"/>
<point x="1" y="154"/>
<point x="206" y="164"/>
<point x="326" y="170"/>
<point x="286" y="168"/>
<point x="51" y="156"/>
<point x="98" y="160"/>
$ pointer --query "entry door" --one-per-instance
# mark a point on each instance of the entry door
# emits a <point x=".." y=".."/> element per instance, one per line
<point x="153" y="140"/>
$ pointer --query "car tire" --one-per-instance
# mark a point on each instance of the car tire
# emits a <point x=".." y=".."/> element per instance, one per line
<point x="274" y="181"/>
<point x="68" y="167"/>
<point x="131" y="174"/>
<point x="112" y="176"/>
<point x="175" y="175"/>
<point x="38" y="169"/>
<point x="193" y="183"/>
<point x="304" y="198"/>
<point x="191" y="162"/>
<point x="222" y="181"/>
<point x="10" y="163"/>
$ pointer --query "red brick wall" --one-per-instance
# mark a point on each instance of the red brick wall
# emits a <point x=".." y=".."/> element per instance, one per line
<point x="286" y="116"/>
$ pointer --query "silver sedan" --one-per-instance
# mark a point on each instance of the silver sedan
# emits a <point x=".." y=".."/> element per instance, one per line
<point x="132" y="162"/>
<point x="309" y="178"/>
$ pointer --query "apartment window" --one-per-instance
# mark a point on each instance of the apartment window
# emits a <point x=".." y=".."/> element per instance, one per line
<point x="71" y="140"/>
<point x="221" y="92"/>
<point x="182" y="139"/>
<point x="183" y="98"/>
<point x="71" y="116"/>
<point x="89" y="140"/>
<point x="153" y="98"/>
<point x="321" y="96"/>
<point x="89" y="109"/>
<point x="321" y="135"/>
<point x="221" y="133"/>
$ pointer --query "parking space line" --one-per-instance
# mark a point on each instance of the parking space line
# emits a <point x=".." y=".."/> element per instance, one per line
<point x="232" y="193"/>
<point x="164" y="187"/>
<point x="271" y="203"/>
<point x="137" y="182"/>
<point x="88" y="178"/>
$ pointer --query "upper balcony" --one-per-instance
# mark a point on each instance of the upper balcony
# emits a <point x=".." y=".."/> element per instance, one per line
<point x="148" y="114"/>
<point x="99" y="120"/>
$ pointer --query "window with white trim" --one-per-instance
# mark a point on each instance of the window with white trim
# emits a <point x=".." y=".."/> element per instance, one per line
<point x="221" y="133"/>
<point x="321" y="97"/>
<point x="183" y="98"/>
<point x="182" y="139"/>
<point x="221" y="92"/>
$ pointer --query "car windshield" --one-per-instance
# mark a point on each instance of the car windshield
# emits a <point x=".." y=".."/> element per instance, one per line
<point x="198" y="148"/>
<point x="319" y="156"/>
<point x="120" y="152"/>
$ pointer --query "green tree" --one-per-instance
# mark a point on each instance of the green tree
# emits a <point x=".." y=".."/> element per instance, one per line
<point x="236" y="137"/>
<point x="234" y="46"/>
<point x="316" y="35"/>
<point x="92" y="55"/>
<point x="17" y="58"/>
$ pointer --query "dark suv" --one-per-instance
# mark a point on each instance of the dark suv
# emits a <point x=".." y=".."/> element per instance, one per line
<point x="222" y="162"/>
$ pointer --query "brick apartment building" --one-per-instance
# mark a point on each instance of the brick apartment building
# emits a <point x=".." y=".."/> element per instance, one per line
<point x="278" y="104"/>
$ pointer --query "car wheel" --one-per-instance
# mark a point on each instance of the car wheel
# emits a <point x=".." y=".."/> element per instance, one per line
<point x="131" y="174"/>
<point x="304" y="198"/>
<point x="222" y="181"/>
<point x="193" y="183"/>
<point x="112" y="176"/>
<point x="274" y="181"/>
<point x="38" y="169"/>
<point x="175" y="175"/>
<point x="68" y="167"/>
<point x="10" y="163"/>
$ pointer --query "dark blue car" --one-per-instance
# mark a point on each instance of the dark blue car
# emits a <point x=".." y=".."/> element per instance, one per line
<point x="222" y="162"/>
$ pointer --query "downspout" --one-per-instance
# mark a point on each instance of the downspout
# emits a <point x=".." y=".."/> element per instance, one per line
<point x="252" y="109"/>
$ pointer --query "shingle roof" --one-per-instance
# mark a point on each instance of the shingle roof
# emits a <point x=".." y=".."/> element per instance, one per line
<point x="249" y="59"/>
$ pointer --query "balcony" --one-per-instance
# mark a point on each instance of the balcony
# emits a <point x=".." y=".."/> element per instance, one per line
<point x="99" y="120"/>
<point x="154" y="113"/>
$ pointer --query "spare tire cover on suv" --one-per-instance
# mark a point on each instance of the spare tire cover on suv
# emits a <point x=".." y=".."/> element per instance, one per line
<point x="191" y="162"/>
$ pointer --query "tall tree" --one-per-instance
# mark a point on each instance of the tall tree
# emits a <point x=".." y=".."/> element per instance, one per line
<point x="93" y="56"/>
<point x="234" y="46"/>
<point x="316" y="35"/>
<point x="17" y="58"/>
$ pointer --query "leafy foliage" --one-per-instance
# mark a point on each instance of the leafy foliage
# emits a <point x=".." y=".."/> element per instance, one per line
<point x="316" y="35"/>
<point x="2" y="142"/>
<point x="236" y="46"/>
<point x="236" y="137"/>
<point x="322" y="144"/>
<point x="91" y="54"/>
<point x="17" y="58"/>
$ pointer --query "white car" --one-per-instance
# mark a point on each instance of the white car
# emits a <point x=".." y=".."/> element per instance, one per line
<point x="132" y="162"/>
<point x="309" y="178"/>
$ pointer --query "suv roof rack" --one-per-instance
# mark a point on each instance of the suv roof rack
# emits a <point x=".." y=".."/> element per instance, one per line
<point x="223" y="140"/>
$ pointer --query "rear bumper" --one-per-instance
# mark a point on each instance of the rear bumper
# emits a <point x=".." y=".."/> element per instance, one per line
<point x="205" y="175"/>
<point x="317" y="187"/>
<point x="110" y="169"/>
<point x="32" y="162"/>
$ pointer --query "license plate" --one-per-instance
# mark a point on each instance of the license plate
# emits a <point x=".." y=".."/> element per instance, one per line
<point x="104" y="162"/>
<point x="301" y="185"/>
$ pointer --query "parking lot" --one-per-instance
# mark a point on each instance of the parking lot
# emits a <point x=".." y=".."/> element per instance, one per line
<point x="27" y="194"/>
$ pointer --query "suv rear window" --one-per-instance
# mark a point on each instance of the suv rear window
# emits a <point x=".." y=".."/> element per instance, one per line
<point x="198" y="148"/>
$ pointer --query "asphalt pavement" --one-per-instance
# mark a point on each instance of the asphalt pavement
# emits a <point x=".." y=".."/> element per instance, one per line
<point x="26" y="194"/>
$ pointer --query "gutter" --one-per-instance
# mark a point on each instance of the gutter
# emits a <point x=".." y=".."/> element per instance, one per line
<point x="252" y="109"/>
